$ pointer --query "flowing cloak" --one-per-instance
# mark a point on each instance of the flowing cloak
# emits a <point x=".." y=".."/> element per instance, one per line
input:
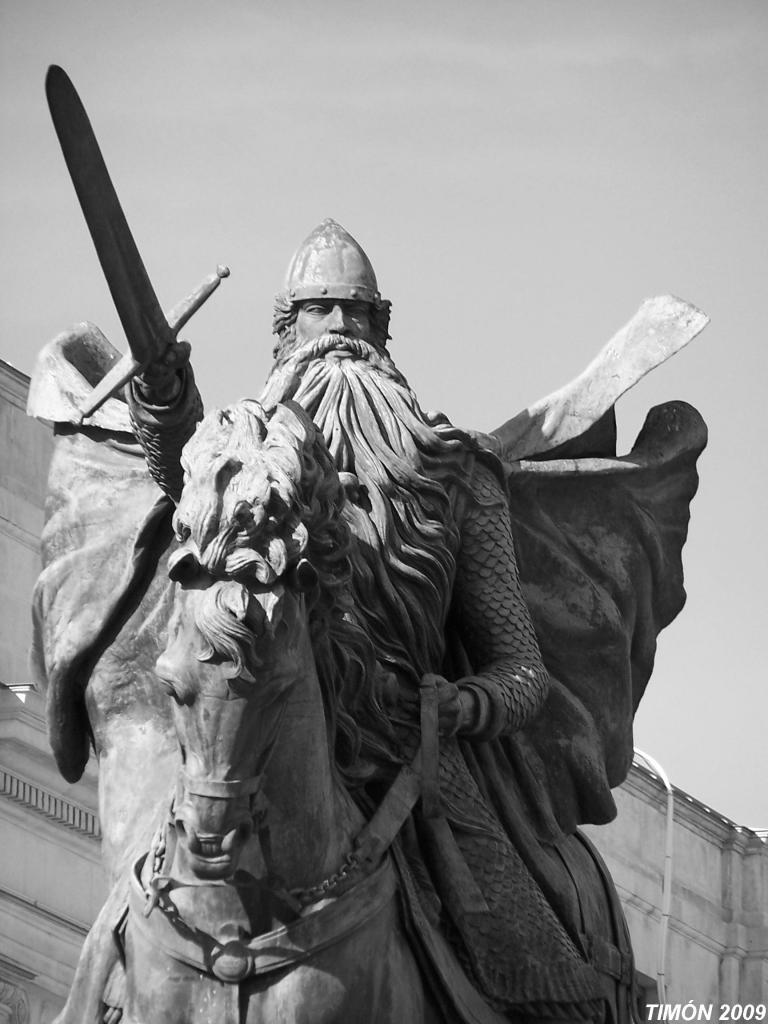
<point x="598" y="543"/>
<point x="102" y="602"/>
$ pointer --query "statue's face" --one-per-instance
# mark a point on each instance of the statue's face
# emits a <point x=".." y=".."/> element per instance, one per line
<point x="317" y="317"/>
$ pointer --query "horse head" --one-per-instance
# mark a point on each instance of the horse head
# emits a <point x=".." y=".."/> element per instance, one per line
<point x="262" y="548"/>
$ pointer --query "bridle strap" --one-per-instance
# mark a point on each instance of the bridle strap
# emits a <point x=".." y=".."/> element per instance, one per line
<point x="222" y="790"/>
<point x="234" y="960"/>
<point x="418" y="780"/>
<point x="227" y="789"/>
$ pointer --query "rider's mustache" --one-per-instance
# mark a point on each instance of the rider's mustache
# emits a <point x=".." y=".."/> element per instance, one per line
<point x="318" y="348"/>
<point x="286" y="376"/>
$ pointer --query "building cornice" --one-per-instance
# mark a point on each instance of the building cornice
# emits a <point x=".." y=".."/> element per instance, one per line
<point x="52" y="918"/>
<point x="733" y="935"/>
<point x="690" y="812"/>
<point x="53" y="806"/>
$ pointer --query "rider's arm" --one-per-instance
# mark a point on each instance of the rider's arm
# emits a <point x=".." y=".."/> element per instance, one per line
<point x="165" y="408"/>
<point x="510" y="682"/>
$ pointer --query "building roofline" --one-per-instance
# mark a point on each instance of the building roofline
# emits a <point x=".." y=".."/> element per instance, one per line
<point x="690" y="809"/>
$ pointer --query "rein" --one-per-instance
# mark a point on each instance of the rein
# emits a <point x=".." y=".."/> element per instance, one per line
<point x="420" y="778"/>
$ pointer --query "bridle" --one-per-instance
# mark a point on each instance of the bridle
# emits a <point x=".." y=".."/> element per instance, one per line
<point x="414" y="780"/>
<point x="165" y="840"/>
<point x="229" y="789"/>
<point x="365" y="868"/>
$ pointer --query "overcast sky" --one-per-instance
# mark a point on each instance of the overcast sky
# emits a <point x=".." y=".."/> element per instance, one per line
<point x="522" y="176"/>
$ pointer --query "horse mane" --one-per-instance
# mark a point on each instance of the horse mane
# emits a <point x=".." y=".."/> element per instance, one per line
<point x="262" y="498"/>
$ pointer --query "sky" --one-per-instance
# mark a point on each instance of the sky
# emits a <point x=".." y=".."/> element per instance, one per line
<point x="522" y="175"/>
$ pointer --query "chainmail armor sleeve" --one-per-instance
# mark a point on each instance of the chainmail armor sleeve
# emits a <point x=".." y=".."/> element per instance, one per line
<point x="510" y="682"/>
<point x="163" y="430"/>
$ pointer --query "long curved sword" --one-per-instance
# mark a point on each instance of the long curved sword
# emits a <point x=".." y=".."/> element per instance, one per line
<point x="147" y="330"/>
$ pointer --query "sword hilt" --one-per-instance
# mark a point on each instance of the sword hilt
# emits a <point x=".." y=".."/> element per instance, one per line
<point x="129" y="367"/>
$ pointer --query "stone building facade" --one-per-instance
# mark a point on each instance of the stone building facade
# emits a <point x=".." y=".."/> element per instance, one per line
<point x="51" y="883"/>
<point x="717" y="927"/>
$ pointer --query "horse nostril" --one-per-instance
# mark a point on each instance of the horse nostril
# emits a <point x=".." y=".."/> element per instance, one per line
<point x="237" y="837"/>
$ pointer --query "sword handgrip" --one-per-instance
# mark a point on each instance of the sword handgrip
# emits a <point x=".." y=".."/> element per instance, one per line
<point x="129" y="367"/>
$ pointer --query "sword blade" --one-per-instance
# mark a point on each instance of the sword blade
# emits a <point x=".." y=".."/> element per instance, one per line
<point x="145" y="326"/>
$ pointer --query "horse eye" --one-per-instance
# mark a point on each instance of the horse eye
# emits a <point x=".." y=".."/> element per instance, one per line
<point x="168" y="688"/>
<point x="169" y="683"/>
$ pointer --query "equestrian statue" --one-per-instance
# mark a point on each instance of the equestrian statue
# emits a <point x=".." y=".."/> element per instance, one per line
<point x="353" y="676"/>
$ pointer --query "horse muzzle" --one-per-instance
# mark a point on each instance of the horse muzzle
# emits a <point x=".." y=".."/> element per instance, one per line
<point x="211" y="830"/>
<point x="211" y="855"/>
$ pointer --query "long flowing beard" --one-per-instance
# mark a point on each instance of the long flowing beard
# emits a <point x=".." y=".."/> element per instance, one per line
<point x="395" y="465"/>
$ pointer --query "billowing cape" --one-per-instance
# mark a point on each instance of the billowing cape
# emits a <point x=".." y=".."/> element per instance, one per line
<point x="101" y="604"/>
<point x="599" y="546"/>
<point x="598" y="540"/>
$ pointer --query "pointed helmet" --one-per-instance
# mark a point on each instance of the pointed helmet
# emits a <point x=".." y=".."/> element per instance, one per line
<point x="330" y="264"/>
